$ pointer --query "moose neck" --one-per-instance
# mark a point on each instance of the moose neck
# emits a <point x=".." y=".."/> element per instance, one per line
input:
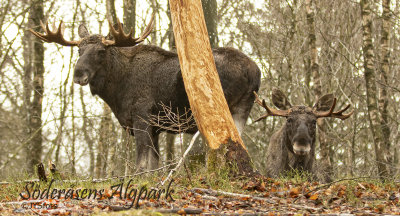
<point x="112" y="72"/>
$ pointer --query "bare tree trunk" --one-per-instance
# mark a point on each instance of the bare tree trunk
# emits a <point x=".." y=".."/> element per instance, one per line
<point x="371" y="87"/>
<point x="73" y="140"/>
<point x="170" y="141"/>
<point x="86" y="135"/>
<point x="111" y="14"/>
<point x="34" y="108"/>
<point x="129" y="15"/>
<point x="199" y="72"/>
<point x="317" y="88"/>
<point x="211" y="18"/>
<point x="105" y="133"/>
<point x="384" y="72"/>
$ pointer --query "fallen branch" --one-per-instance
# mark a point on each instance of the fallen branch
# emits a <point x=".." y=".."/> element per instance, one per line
<point x="182" y="158"/>
<point x="236" y="195"/>
<point x="331" y="183"/>
<point x="182" y="211"/>
<point x="218" y="193"/>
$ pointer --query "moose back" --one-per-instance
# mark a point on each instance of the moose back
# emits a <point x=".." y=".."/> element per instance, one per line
<point x="134" y="80"/>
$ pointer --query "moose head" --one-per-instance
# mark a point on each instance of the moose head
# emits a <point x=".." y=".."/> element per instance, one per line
<point x="301" y="121"/>
<point x="92" y="47"/>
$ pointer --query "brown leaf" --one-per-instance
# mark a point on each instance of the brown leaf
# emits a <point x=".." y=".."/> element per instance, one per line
<point x="294" y="192"/>
<point x="313" y="197"/>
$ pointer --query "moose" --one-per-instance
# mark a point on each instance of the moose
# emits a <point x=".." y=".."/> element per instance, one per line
<point x="135" y="79"/>
<point x="293" y="145"/>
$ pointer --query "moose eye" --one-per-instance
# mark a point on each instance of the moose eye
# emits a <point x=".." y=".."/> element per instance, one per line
<point x="289" y="120"/>
<point x="314" y="122"/>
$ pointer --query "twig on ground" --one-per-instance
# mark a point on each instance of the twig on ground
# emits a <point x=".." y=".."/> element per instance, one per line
<point x="182" y="158"/>
<point x="218" y="192"/>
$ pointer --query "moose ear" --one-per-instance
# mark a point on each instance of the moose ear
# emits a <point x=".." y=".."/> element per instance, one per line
<point x="82" y="31"/>
<point x="280" y="100"/>
<point x="324" y="103"/>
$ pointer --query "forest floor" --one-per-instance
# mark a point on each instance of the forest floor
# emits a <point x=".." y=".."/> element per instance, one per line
<point x="209" y="195"/>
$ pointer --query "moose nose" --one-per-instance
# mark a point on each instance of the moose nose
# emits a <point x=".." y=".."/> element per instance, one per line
<point x="302" y="141"/>
<point x="81" y="80"/>
<point x="301" y="149"/>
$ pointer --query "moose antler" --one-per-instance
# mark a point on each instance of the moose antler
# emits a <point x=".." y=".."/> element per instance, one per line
<point x="54" y="36"/>
<point x="121" y="39"/>
<point x="270" y="111"/>
<point x="339" y="114"/>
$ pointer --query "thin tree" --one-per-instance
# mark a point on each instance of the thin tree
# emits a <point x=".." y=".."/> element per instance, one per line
<point x="371" y="88"/>
<point x="383" y="75"/>
<point x="34" y="78"/>
<point x="317" y="87"/>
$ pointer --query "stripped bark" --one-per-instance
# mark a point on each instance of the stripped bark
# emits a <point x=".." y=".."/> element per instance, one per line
<point x="204" y="88"/>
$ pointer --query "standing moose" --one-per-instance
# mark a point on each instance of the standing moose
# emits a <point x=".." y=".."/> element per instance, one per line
<point x="293" y="146"/>
<point x="135" y="80"/>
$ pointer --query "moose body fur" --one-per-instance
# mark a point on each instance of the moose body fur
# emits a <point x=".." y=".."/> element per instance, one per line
<point x="135" y="81"/>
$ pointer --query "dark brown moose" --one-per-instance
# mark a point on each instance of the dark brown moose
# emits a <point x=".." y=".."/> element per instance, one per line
<point x="293" y="146"/>
<point x="135" y="80"/>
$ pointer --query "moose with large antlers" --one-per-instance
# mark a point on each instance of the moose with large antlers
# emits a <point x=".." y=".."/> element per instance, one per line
<point x="134" y="80"/>
<point x="293" y="146"/>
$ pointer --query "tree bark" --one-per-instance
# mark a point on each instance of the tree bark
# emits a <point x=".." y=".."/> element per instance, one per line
<point x="211" y="18"/>
<point x="129" y="15"/>
<point x="111" y="14"/>
<point x="34" y="107"/>
<point x="204" y="88"/>
<point x="104" y="142"/>
<point x="317" y="88"/>
<point x="384" y="72"/>
<point x="371" y="88"/>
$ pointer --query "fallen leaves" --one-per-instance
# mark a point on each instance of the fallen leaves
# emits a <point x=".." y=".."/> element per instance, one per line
<point x="254" y="196"/>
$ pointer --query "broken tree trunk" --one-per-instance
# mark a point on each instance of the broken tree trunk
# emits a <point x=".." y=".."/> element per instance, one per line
<point x="204" y="89"/>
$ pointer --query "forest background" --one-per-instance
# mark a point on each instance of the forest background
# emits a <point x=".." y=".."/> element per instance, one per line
<point x="305" y="48"/>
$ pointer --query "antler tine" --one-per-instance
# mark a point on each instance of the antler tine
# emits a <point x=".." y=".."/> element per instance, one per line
<point x="56" y="36"/>
<point x="339" y="114"/>
<point x="121" y="39"/>
<point x="327" y="113"/>
<point x="147" y="30"/>
<point x="270" y="111"/>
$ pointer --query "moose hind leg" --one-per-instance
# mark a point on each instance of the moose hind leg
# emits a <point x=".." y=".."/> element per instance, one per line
<point x="240" y="112"/>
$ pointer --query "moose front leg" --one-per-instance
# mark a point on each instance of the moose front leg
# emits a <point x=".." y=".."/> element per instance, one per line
<point x="147" y="150"/>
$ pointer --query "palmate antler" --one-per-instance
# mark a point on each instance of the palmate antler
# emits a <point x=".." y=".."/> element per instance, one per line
<point x="339" y="114"/>
<point x="285" y="113"/>
<point x="55" y="36"/>
<point x="121" y="39"/>
<point x="270" y="111"/>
